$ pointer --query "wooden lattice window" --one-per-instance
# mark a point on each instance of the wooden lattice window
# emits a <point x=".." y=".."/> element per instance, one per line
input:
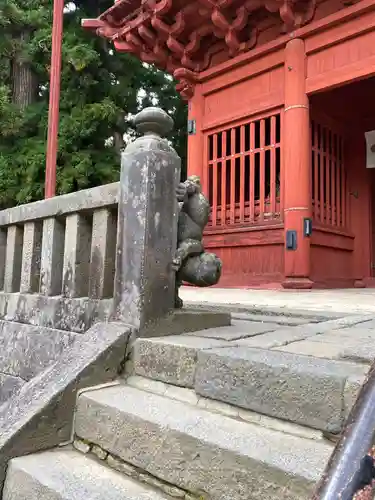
<point x="243" y="180"/>
<point x="329" y="195"/>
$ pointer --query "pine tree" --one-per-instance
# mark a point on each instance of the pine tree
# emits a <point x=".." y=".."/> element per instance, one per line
<point x="100" y="89"/>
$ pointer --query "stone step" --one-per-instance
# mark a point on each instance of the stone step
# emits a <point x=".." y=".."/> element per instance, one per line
<point x="192" y="398"/>
<point x="65" y="474"/>
<point x="309" y="391"/>
<point x="207" y="454"/>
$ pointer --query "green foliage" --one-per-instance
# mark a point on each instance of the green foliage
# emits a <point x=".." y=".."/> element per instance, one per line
<point x="100" y="89"/>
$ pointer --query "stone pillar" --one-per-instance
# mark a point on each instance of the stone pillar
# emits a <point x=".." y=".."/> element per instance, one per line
<point x="102" y="262"/>
<point x="296" y="168"/>
<point x="147" y="223"/>
<point x="31" y="257"/>
<point x="76" y="256"/>
<point x="53" y="243"/>
<point x="13" y="259"/>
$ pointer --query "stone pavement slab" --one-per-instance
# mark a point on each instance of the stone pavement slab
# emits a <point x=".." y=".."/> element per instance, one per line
<point x="339" y="344"/>
<point x="239" y="330"/>
<point x="273" y="318"/>
<point x="349" y="338"/>
<point x="346" y="301"/>
<point x="362" y="353"/>
<point x="316" y="349"/>
<point x="359" y="331"/>
<point x="288" y="334"/>
<point x="346" y="349"/>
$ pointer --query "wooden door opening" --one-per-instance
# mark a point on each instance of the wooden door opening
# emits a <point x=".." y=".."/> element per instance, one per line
<point x="345" y="113"/>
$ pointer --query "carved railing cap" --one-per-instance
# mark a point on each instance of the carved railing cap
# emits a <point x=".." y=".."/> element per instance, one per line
<point x="153" y="120"/>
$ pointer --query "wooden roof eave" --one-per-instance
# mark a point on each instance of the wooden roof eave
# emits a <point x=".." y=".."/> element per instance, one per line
<point x="131" y="25"/>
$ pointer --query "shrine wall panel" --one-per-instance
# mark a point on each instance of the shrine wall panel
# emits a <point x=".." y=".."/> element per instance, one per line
<point x="331" y="259"/>
<point x="250" y="258"/>
<point x="235" y="98"/>
<point x="325" y="8"/>
<point x="242" y="67"/>
<point x="343" y="53"/>
<point x="331" y="267"/>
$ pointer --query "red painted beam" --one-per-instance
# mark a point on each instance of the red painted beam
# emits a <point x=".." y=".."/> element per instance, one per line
<point x="92" y="24"/>
<point x="54" y="98"/>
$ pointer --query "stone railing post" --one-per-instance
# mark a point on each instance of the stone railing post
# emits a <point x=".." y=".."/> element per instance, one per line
<point x="147" y="223"/>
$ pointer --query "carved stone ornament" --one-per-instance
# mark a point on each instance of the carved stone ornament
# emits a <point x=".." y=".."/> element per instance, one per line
<point x="191" y="262"/>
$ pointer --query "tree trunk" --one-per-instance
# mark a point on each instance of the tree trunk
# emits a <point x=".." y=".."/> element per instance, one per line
<point x="118" y="142"/>
<point x="24" y="81"/>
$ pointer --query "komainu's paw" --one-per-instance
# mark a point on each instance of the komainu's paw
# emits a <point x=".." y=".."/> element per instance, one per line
<point x="178" y="303"/>
<point x="181" y="192"/>
<point x="176" y="264"/>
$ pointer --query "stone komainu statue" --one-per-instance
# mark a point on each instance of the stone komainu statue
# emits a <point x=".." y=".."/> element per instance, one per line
<point x="191" y="263"/>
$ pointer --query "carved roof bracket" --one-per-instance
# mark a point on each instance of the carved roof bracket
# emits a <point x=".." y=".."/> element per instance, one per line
<point x="182" y="36"/>
<point x="293" y="13"/>
<point x="187" y="80"/>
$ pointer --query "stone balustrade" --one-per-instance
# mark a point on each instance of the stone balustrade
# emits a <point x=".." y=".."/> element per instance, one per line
<point x="57" y="259"/>
<point x="61" y="265"/>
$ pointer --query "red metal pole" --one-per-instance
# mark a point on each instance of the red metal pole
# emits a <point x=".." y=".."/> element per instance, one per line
<point x="54" y="98"/>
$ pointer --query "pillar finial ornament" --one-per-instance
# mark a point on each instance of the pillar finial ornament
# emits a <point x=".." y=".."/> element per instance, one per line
<point x="154" y="121"/>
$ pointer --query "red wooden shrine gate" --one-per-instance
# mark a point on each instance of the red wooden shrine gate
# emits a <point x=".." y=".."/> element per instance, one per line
<point x="278" y="130"/>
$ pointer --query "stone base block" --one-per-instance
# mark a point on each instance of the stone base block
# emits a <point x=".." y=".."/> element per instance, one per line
<point x="297" y="284"/>
<point x="359" y="284"/>
<point x="185" y="321"/>
<point x="9" y="385"/>
<point x="26" y="350"/>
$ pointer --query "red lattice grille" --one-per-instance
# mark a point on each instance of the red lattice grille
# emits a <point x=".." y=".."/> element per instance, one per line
<point x="328" y="176"/>
<point x="243" y="178"/>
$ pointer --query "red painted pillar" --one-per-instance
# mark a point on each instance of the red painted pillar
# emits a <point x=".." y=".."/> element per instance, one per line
<point x="195" y="139"/>
<point x="296" y="167"/>
<point x="54" y="98"/>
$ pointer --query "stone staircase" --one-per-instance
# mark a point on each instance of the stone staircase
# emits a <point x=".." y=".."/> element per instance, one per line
<point x="234" y="413"/>
<point x="26" y="351"/>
